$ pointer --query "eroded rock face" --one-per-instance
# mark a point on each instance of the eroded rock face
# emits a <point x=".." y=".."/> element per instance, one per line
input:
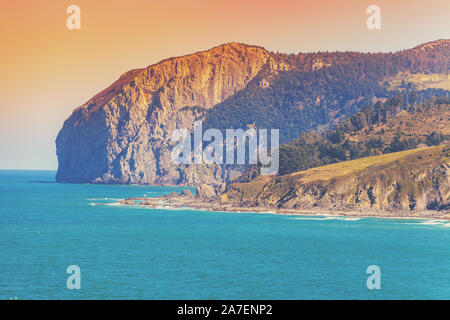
<point x="419" y="181"/>
<point x="122" y="135"/>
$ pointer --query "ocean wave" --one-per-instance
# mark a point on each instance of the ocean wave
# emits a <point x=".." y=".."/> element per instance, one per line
<point x="436" y="222"/>
<point x="329" y="217"/>
<point x="113" y="204"/>
<point x="103" y="199"/>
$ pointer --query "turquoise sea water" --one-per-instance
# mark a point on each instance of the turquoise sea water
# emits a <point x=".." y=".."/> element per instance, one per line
<point x="136" y="253"/>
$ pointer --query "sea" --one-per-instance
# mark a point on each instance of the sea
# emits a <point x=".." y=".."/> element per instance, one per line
<point x="131" y="252"/>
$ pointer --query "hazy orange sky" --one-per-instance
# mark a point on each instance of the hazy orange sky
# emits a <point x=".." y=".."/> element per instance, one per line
<point x="47" y="70"/>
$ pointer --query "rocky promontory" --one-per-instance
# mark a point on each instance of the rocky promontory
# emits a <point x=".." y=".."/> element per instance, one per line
<point x="122" y="135"/>
<point x="413" y="183"/>
<point x="402" y="182"/>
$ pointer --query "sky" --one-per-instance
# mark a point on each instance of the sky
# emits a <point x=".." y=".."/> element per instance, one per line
<point x="47" y="70"/>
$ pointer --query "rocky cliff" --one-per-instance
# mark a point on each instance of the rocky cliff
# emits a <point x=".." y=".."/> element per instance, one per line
<point x="122" y="135"/>
<point x="407" y="181"/>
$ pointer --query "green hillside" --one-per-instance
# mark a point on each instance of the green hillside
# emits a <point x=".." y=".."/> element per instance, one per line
<point x="404" y="181"/>
<point x="383" y="128"/>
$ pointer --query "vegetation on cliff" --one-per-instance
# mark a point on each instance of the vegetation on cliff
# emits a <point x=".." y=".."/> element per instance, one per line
<point x="406" y="181"/>
<point x="395" y="125"/>
<point x="319" y="88"/>
<point x="122" y="135"/>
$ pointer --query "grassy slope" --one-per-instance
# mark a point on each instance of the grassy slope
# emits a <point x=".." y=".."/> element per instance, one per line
<point x="418" y="124"/>
<point x="344" y="175"/>
<point x="332" y="171"/>
<point x="422" y="81"/>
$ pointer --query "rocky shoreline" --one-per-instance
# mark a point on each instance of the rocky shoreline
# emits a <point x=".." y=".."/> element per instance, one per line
<point x="188" y="200"/>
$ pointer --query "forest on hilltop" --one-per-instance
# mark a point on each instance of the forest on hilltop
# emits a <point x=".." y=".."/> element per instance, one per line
<point x="323" y="87"/>
<point x="382" y="128"/>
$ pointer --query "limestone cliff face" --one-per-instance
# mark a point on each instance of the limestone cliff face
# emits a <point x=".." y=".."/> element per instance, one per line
<point x="122" y="135"/>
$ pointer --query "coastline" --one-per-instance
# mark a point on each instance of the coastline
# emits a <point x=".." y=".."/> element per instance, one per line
<point x="186" y="200"/>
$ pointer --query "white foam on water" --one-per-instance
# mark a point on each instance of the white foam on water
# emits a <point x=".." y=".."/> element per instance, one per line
<point x="351" y="219"/>
<point x="103" y="199"/>
<point x="104" y="204"/>
<point x="114" y="204"/>
<point x="329" y="217"/>
<point x="443" y="223"/>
